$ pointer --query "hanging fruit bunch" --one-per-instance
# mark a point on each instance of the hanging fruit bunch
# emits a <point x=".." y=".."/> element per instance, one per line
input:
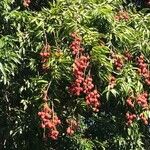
<point x="122" y="15"/>
<point x="144" y="118"/>
<point x="127" y="56"/>
<point x="75" y="45"/>
<point x="72" y="126"/>
<point x="49" y="119"/>
<point x="143" y="69"/>
<point x="45" y="54"/>
<point x="83" y="82"/>
<point x="117" y="61"/>
<point x="130" y="118"/>
<point x="112" y="81"/>
<point x="138" y="105"/>
<point x="79" y="66"/>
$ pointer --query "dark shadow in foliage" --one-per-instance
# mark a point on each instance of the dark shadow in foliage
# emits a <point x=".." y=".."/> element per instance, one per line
<point x="35" y="5"/>
<point x="101" y="24"/>
<point x="140" y="4"/>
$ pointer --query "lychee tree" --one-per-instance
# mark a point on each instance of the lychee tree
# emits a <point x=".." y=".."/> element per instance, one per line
<point x="74" y="75"/>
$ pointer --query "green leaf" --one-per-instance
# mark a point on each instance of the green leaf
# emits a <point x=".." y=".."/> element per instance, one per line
<point x="2" y="69"/>
<point x="1" y="43"/>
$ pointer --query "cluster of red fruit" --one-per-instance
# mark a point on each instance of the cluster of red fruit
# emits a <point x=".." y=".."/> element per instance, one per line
<point x="79" y="66"/>
<point x="122" y="15"/>
<point x="72" y="126"/>
<point x="144" y="118"/>
<point x="49" y="121"/>
<point x="75" y="46"/>
<point x="112" y="81"/>
<point x="88" y="85"/>
<point x="130" y="118"/>
<point x="92" y="99"/>
<point x="26" y="3"/>
<point x="130" y="102"/>
<point x="141" y="100"/>
<point x="45" y="53"/>
<point x="117" y="61"/>
<point x="81" y="83"/>
<point x="143" y="69"/>
<point x="128" y="56"/>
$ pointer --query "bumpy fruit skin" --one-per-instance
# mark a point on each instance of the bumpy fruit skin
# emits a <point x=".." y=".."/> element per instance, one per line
<point x="92" y="99"/>
<point x="50" y="121"/>
<point x="79" y="66"/>
<point x="130" y="103"/>
<point x="130" y="118"/>
<point x="112" y="81"/>
<point x="122" y="15"/>
<point x="142" y="100"/>
<point x="75" y="46"/>
<point x="128" y="56"/>
<point x="143" y="69"/>
<point x="144" y="119"/>
<point x="88" y="85"/>
<point x="82" y="84"/>
<point x="118" y="62"/>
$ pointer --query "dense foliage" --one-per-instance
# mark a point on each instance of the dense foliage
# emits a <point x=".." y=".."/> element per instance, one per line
<point x="74" y="75"/>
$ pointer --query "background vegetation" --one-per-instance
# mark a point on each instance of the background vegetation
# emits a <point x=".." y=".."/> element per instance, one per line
<point x="116" y="36"/>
